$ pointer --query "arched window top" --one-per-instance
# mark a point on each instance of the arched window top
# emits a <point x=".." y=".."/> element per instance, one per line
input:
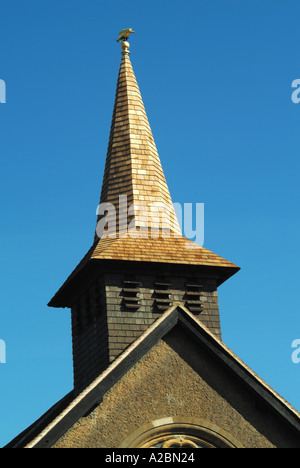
<point x="177" y="441"/>
<point x="174" y="432"/>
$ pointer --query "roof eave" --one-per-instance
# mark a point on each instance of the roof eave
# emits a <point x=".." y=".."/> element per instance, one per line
<point x="82" y="277"/>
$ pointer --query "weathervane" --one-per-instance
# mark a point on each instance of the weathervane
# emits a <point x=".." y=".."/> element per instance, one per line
<point x="123" y="36"/>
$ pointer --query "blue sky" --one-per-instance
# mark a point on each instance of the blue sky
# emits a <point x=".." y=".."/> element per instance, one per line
<point x="215" y="77"/>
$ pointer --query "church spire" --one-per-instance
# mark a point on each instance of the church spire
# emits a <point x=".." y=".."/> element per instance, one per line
<point x="133" y="168"/>
<point x="134" y="185"/>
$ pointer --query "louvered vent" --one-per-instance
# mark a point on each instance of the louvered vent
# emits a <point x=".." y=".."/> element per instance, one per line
<point x="162" y="295"/>
<point x="130" y="293"/>
<point x="193" y="296"/>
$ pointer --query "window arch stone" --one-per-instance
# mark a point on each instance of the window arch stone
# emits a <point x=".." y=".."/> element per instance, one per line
<point x="175" y="432"/>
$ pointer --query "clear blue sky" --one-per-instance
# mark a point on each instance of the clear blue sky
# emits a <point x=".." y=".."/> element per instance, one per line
<point x="215" y="77"/>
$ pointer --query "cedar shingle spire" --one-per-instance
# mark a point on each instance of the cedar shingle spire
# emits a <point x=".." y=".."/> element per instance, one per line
<point x="133" y="168"/>
<point x="133" y="171"/>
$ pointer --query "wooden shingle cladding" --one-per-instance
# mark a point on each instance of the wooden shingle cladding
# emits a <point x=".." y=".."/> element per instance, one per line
<point x="130" y="277"/>
<point x="133" y="166"/>
<point x="130" y="303"/>
<point x="177" y="250"/>
<point x="133" y="170"/>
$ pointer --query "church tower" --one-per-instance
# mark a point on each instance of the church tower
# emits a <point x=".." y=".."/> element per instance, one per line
<point x="140" y="263"/>
<point x="150" y="367"/>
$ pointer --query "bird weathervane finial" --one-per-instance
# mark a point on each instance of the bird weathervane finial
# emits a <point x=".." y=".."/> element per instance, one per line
<point x="124" y="34"/>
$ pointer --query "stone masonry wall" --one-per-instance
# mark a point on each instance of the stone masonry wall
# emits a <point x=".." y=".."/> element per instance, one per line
<point x="187" y="383"/>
